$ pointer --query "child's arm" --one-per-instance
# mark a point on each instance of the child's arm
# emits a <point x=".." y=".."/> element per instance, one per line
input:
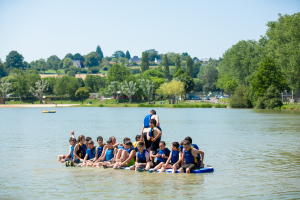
<point x="169" y="158"/>
<point x="85" y="158"/>
<point x="74" y="152"/>
<point x="148" y="135"/>
<point x="201" y="153"/>
<point x="115" y="153"/>
<point x="72" y="133"/>
<point x="131" y="155"/>
<point x="96" y="154"/>
<point x="158" y="135"/>
<point x="142" y="134"/>
<point x="155" y="155"/>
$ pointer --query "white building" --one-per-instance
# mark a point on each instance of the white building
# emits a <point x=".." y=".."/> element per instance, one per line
<point x="135" y="59"/>
<point x="158" y="61"/>
<point x="76" y="63"/>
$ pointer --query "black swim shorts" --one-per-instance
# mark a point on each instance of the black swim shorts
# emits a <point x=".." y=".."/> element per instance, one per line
<point x="155" y="145"/>
<point x="190" y="166"/>
<point x="147" y="142"/>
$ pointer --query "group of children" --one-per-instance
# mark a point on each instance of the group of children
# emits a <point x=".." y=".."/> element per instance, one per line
<point x="148" y="152"/>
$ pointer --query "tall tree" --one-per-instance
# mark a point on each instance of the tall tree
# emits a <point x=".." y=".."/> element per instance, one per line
<point x="127" y="55"/>
<point x="39" y="90"/>
<point x="117" y="73"/>
<point x="67" y="62"/>
<point x="60" y="87"/>
<point x="284" y="40"/>
<point x="173" y="89"/>
<point x="177" y="63"/>
<point x="99" y="51"/>
<point x="208" y="76"/>
<point x="91" y="60"/>
<point x="14" y="60"/>
<point x="144" y="62"/>
<point x="268" y="73"/>
<point x="82" y="93"/>
<point x="113" y="88"/>
<point x="148" y="88"/>
<point x="166" y="67"/>
<point x="189" y="82"/>
<point x="2" y="71"/>
<point x="129" y="89"/>
<point x="118" y="54"/>
<point x="189" y="66"/>
<point x="20" y="85"/>
<point x="53" y="60"/>
<point x="5" y="86"/>
<point x="69" y="55"/>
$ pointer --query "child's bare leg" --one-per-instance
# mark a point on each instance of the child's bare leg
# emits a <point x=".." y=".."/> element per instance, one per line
<point x="163" y="168"/>
<point x="119" y="153"/>
<point x="174" y="169"/>
<point x="149" y="164"/>
<point x="60" y="157"/>
<point x="124" y="156"/>
<point x="158" y="166"/>
<point x="99" y="164"/>
<point x="131" y="167"/>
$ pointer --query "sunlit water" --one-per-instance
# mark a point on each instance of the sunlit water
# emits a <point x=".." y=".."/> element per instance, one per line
<point x="255" y="154"/>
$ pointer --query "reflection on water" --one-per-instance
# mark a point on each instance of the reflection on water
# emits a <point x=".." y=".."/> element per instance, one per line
<point x="255" y="153"/>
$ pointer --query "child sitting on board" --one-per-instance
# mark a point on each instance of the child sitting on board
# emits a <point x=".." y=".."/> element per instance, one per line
<point x="162" y="155"/>
<point x="191" y="159"/>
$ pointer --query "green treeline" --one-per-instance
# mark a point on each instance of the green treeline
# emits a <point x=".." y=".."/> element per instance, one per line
<point x="254" y="72"/>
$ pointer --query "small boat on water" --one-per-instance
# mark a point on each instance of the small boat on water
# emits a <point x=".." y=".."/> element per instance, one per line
<point x="47" y="111"/>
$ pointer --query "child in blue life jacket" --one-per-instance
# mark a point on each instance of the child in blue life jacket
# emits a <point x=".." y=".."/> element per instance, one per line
<point x="121" y="147"/>
<point x="109" y="155"/>
<point x="174" y="161"/>
<point x="62" y="158"/>
<point x="90" y="154"/>
<point x="142" y="161"/>
<point x="70" y="156"/>
<point x="127" y="157"/>
<point x="162" y="155"/>
<point x="79" y="150"/>
<point x="100" y="149"/>
<point x="191" y="158"/>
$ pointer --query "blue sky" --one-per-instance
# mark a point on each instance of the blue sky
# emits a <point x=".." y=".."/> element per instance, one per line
<point x="39" y="29"/>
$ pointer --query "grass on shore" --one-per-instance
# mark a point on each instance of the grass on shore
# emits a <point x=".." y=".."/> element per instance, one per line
<point x="290" y="106"/>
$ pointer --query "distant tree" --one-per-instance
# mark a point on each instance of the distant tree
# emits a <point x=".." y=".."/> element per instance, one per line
<point x="2" y="71"/>
<point x="270" y="99"/>
<point x="69" y="55"/>
<point x="152" y="73"/>
<point x="144" y="62"/>
<point x="38" y="91"/>
<point x="72" y="86"/>
<point x="268" y="74"/>
<point x="129" y="89"/>
<point x="189" y="66"/>
<point x="60" y="87"/>
<point x="82" y="93"/>
<point x="91" y="60"/>
<point x="99" y="51"/>
<point x="71" y="73"/>
<point x="5" y="87"/>
<point x="184" y="55"/>
<point x="117" y="73"/>
<point x="14" y="60"/>
<point x="127" y="55"/>
<point x="20" y="85"/>
<point x="95" y="82"/>
<point x="182" y="76"/>
<point x="241" y="98"/>
<point x="113" y="89"/>
<point x="67" y="62"/>
<point x="166" y="67"/>
<point x="51" y="80"/>
<point x="148" y="88"/>
<point x="173" y="89"/>
<point x="53" y="60"/>
<point x="152" y="54"/>
<point x="208" y="76"/>
<point x="118" y="54"/>
<point x="177" y="63"/>
<point x="227" y="83"/>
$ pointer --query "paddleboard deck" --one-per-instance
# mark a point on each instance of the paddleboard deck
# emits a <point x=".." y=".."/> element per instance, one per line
<point x="197" y="171"/>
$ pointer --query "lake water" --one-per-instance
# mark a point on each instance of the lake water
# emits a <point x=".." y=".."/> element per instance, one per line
<point x="255" y="154"/>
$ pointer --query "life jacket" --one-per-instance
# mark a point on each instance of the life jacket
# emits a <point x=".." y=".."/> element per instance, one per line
<point x="109" y="154"/>
<point x="72" y="151"/>
<point x="142" y="156"/>
<point x="82" y="150"/>
<point x="196" y="147"/>
<point x="147" y="121"/>
<point x="129" y="150"/>
<point x="175" y="156"/>
<point x="189" y="158"/>
<point x="180" y="148"/>
<point x="151" y="135"/>
<point x="100" y="150"/>
<point x="91" y="153"/>
<point x="166" y="151"/>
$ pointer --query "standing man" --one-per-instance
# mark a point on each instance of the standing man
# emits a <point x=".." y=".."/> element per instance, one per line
<point x="146" y="128"/>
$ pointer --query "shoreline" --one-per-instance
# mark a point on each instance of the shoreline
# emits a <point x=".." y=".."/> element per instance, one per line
<point x="36" y="105"/>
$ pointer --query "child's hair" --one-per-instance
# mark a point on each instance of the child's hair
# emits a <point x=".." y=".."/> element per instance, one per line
<point x="162" y="142"/>
<point x="189" y="139"/>
<point x="153" y="112"/>
<point x="140" y="144"/>
<point x="175" y="144"/>
<point x="71" y="139"/>
<point x="126" y="139"/>
<point x="80" y="138"/>
<point x="186" y="142"/>
<point x="99" y="138"/>
<point x="153" y="121"/>
<point x="181" y="143"/>
<point x="87" y="139"/>
<point x="112" y="137"/>
<point x="109" y="141"/>
<point x="128" y="143"/>
<point x="91" y="142"/>
<point x="137" y="137"/>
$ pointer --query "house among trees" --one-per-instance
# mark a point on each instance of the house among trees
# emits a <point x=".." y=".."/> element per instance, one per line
<point x="196" y="60"/>
<point x="76" y="63"/>
<point x="157" y="61"/>
<point x="135" y="59"/>
<point x="206" y="60"/>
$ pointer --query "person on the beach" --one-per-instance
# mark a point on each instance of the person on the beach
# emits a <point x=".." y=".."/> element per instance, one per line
<point x="146" y="128"/>
<point x="162" y="155"/>
<point x="79" y="150"/>
<point x="155" y="136"/>
<point x="191" y="158"/>
<point x="142" y="159"/>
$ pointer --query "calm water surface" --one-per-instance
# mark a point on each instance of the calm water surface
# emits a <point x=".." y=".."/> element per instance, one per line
<point x="255" y="153"/>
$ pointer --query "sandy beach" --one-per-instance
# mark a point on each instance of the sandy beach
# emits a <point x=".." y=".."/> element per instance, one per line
<point x="36" y="105"/>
